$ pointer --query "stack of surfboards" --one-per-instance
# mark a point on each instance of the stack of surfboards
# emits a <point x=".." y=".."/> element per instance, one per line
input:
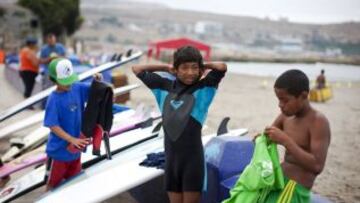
<point x="109" y="178"/>
<point x="85" y="75"/>
<point x="128" y="151"/>
<point x="35" y="178"/>
<point x="123" y="121"/>
<point x="38" y="137"/>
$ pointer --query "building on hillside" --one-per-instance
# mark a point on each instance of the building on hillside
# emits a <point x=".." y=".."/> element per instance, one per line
<point x="17" y="23"/>
<point x="209" y="28"/>
<point x="290" y="45"/>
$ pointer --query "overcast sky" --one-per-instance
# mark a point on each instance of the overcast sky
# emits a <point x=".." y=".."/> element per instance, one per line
<point x="308" y="11"/>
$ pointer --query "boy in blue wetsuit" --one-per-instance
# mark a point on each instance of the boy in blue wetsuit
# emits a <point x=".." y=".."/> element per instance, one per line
<point x="184" y="103"/>
<point x="63" y="115"/>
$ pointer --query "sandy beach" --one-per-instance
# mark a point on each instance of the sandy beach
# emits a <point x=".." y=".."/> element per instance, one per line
<point x="250" y="103"/>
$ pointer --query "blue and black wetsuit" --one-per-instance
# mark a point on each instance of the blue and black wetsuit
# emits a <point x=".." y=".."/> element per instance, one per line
<point x="184" y="109"/>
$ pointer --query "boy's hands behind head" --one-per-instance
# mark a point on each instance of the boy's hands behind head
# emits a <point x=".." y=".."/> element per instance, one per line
<point x="170" y="69"/>
<point x="204" y="73"/>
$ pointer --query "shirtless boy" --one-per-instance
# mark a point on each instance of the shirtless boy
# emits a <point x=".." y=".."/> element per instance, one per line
<point x="305" y="134"/>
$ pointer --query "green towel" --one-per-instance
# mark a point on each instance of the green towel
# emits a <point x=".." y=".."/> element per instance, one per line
<point x="262" y="175"/>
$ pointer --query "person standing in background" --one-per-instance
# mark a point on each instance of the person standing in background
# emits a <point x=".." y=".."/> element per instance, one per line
<point x="2" y="56"/>
<point x="321" y="80"/>
<point x="29" y="65"/>
<point x="52" y="49"/>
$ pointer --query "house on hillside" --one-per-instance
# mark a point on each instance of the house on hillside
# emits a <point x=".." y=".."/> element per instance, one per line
<point x="290" y="45"/>
<point x="16" y="23"/>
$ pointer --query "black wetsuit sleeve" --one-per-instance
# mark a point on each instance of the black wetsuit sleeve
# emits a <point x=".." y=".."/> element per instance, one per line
<point x="213" y="78"/>
<point x="151" y="80"/>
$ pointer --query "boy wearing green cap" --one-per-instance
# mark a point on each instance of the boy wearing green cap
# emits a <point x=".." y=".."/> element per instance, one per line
<point x="63" y="115"/>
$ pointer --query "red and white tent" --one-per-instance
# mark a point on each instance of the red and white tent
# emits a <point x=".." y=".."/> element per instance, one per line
<point x="174" y="44"/>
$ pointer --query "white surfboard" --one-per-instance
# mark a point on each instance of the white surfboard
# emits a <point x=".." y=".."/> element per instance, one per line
<point x="35" y="178"/>
<point x="123" y="122"/>
<point x="22" y="124"/>
<point x="21" y="145"/>
<point x="38" y="156"/>
<point x="109" y="178"/>
<point x="39" y="136"/>
<point x="42" y="95"/>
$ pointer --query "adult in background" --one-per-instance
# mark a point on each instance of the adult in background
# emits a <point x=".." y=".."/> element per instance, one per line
<point x="2" y="56"/>
<point x="321" y="80"/>
<point x="29" y="65"/>
<point x="52" y="49"/>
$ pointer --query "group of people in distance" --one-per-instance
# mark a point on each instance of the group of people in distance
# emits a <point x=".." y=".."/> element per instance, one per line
<point x="31" y="65"/>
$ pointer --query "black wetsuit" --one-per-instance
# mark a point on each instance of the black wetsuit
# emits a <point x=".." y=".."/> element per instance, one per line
<point x="184" y="165"/>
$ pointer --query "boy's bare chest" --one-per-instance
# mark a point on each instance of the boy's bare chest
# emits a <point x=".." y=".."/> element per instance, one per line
<point x="299" y="131"/>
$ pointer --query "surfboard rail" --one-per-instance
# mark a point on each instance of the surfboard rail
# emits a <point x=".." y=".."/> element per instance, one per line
<point x="45" y="93"/>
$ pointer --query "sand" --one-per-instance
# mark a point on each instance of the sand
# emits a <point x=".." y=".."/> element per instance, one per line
<point x="250" y="103"/>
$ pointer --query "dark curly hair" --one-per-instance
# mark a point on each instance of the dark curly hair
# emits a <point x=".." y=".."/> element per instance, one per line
<point x="188" y="54"/>
<point x="293" y="81"/>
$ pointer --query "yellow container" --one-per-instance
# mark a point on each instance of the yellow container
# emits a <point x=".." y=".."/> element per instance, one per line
<point x="320" y="95"/>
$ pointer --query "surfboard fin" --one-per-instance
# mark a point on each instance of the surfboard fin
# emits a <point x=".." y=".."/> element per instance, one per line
<point x="119" y="57"/>
<point x="113" y="57"/>
<point x="148" y="123"/>
<point x="97" y="136"/>
<point x="128" y="53"/>
<point x="223" y="127"/>
<point x="107" y="145"/>
<point x="157" y="127"/>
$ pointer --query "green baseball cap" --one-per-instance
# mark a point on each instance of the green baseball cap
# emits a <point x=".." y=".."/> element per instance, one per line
<point x="62" y="71"/>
